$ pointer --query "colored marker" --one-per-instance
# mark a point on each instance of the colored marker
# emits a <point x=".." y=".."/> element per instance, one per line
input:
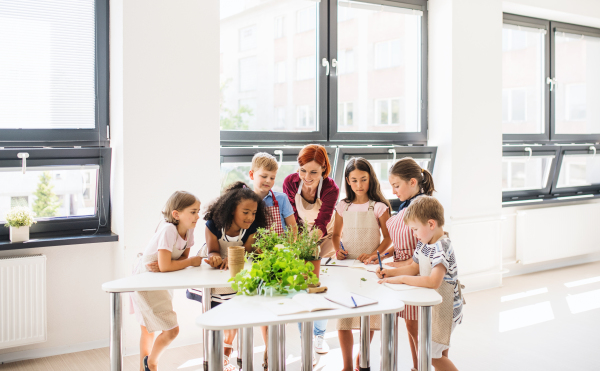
<point x="353" y="302"/>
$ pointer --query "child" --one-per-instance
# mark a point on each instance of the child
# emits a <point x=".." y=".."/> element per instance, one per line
<point x="279" y="211"/>
<point x="409" y="182"/>
<point x="231" y="220"/>
<point x="170" y="248"/>
<point x="360" y="222"/>
<point x="434" y="260"/>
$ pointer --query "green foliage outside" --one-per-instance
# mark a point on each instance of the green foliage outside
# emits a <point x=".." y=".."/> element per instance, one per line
<point x="47" y="203"/>
<point x="233" y="119"/>
<point x="277" y="267"/>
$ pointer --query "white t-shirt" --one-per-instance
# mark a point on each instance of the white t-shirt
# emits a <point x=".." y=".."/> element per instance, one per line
<point x="167" y="238"/>
<point x="379" y="208"/>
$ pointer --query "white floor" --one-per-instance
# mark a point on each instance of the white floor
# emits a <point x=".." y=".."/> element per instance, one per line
<point x="541" y="321"/>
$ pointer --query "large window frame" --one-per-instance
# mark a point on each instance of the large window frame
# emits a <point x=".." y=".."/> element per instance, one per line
<point x="327" y="131"/>
<point x="99" y="136"/>
<point x="583" y="149"/>
<point x="72" y="225"/>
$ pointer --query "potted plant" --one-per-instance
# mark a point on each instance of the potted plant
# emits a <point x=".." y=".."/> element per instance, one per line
<point x="276" y="270"/>
<point x="19" y="219"/>
<point x="307" y="245"/>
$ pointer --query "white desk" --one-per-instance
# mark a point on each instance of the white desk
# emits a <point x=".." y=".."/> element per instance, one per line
<point x="338" y="280"/>
<point x="203" y="277"/>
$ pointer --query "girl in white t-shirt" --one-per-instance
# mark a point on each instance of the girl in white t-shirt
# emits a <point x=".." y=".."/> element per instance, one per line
<point x="167" y="251"/>
<point x="360" y="227"/>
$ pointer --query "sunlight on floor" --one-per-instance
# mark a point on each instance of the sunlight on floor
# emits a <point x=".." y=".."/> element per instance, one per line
<point x="583" y="302"/>
<point x="583" y="282"/>
<point x="525" y="316"/>
<point x="524" y="294"/>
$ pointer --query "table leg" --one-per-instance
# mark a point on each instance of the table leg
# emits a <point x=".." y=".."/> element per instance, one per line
<point x="395" y="354"/>
<point x="240" y="347"/>
<point x="365" y="337"/>
<point x="282" y="347"/>
<point x="247" y="336"/>
<point x="424" y="338"/>
<point x="388" y="325"/>
<point x="206" y="303"/>
<point x="215" y="350"/>
<point x="307" y="346"/>
<point x="116" y="332"/>
<point x="273" y="348"/>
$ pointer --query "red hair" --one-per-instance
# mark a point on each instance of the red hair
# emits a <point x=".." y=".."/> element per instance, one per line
<point x="316" y="153"/>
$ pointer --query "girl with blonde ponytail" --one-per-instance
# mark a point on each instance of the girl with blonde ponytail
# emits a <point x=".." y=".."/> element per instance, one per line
<point x="408" y="181"/>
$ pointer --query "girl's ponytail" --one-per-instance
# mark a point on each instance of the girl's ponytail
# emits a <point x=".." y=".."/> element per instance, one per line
<point x="235" y="185"/>
<point x="407" y="169"/>
<point x="427" y="184"/>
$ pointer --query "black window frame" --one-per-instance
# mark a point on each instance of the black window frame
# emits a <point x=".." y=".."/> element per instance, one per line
<point x="583" y="149"/>
<point x="73" y="225"/>
<point x="99" y="136"/>
<point x="327" y="133"/>
<point x="523" y="151"/>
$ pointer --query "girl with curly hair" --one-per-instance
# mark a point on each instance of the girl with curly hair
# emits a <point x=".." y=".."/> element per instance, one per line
<point x="231" y="220"/>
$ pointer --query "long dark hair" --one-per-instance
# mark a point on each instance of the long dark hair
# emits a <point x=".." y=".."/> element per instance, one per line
<point x="407" y="168"/>
<point x="374" y="192"/>
<point x="221" y="211"/>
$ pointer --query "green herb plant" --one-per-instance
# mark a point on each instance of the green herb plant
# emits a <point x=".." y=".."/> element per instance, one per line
<point x="278" y="268"/>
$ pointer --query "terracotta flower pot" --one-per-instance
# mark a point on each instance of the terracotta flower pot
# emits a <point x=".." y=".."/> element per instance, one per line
<point x="317" y="264"/>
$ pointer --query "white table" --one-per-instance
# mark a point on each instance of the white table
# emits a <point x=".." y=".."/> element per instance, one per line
<point x="203" y="277"/>
<point x="339" y="280"/>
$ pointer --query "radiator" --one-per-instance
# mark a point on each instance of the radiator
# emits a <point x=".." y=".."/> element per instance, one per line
<point x="557" y="232"/>
<point x="22" y="300"/>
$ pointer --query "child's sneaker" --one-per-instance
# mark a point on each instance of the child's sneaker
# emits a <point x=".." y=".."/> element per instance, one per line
<point x="321" y="345"/>
<point x="146" y="368"/>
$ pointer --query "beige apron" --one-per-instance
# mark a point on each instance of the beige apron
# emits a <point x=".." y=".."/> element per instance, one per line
<point x="362" y="235"/>
<point x="156" y="307"/>
<point x="308" y="213"/>
<point x="442" y="317"/>
<point x="224" y="242"/>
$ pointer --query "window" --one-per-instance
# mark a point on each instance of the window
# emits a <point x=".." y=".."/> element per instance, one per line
<point x="248" y="111"/>
<point x="68" y="189"/>
<point x="514" y="105"/>
<point x="345" y="114"/>
<point x="279" y="27"/>
<point x="306" y="19"/>
<point x="248" y="38"/>
<point x="38" y="53"/>
<point x="311" y="58"/>
<point x="305" y="68"/>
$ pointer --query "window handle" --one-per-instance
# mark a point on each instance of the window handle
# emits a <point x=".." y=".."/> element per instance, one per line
<point x="393" y="152"/>
<point x="552" y="82"/>
<point x="593" y="149"/>
<point x="325" y="63"/>
<point x="334" y="64"/>
<point x="528" y="149"/>
<point x="280" y="153"/>
<point x="23" y="156"/>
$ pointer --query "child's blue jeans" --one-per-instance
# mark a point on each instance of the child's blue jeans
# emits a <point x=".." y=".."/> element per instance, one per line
<point x="319" y="327"/>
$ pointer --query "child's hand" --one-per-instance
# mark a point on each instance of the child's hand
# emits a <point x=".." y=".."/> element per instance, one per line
<point x="364" y="258"/>
<point x="341" y="254"/>
<point x="372" y="259"/>
<point x="214" y="261"/>
<point x="391" y="280"/>
<point x="382" y="273"/>
<point x="153" y="267"/>
<point x="196" y="261"/>
<point x="224" y="264"/>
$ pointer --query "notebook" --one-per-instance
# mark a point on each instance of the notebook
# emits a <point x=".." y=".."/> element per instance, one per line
<point x="369" y="267"/>
<point x="342" y="263"/>
<point x="300" y="303"/>
<point x="400" y="286"/>
<point x="346" y="300"/>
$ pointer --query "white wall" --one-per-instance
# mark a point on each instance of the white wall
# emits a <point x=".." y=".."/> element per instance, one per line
<point x="465" y="67"/>
<point x="164" y="101"/>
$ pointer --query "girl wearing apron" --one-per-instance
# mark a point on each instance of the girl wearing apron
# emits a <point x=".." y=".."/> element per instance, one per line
<point x="231" y="220"/>
<point x="360" y="222"/>
<point x="435" y="262"/>
<point x="313" y="195"/>
<point x="171" y="241"/>
<point x="409" y="182"/>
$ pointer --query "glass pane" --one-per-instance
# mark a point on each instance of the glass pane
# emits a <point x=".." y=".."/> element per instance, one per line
<point x="379" y="70"/>
<point x="578" y="84"/>
<point x="579" y="170"/>
<point x="51" y="191"/>
<point x="381" y="168"/>
<point x="268" y="57"/>
<point x="523" y="173"/>
<point x="238" y="171"/>
<point x="523" y="83"/>
<point x="47" y="64"/>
